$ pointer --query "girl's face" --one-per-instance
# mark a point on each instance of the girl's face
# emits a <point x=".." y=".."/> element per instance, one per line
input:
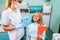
<point x="36" y="17"/>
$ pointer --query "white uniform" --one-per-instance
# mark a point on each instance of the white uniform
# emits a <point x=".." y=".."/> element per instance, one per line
<point x="11" y="18"/>
<point x="32" y="32"/>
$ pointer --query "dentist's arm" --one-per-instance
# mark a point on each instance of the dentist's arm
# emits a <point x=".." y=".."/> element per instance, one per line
<point x="5" y="22"/>
<point x="8" y="28"/>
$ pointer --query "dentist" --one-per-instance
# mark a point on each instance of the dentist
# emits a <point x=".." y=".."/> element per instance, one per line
<point x="11" y="20"/>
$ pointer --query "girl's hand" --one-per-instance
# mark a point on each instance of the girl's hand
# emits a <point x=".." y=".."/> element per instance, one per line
<point x="38" y="38"/>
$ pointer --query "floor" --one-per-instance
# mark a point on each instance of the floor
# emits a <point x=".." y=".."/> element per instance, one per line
<point x="4" y="36"/>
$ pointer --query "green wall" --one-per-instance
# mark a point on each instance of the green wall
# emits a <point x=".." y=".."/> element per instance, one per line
<point x="2" y="1"/>
<point x="55" y="16"/>
<point x="31" y="2"/>
<point x="35" y="2"/>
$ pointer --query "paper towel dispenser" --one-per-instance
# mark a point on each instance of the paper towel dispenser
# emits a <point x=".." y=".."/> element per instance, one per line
<point x="46" y="9"/>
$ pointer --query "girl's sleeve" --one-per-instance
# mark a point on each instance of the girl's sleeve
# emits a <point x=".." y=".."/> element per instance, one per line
<point x="5" y="19"/>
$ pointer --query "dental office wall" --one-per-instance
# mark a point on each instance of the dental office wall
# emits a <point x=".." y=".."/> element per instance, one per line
<point x="55" y="20"/>
<point x="55" y="16"/>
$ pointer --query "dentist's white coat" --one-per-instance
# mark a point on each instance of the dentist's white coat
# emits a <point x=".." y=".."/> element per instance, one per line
<point x="11" y="18"/>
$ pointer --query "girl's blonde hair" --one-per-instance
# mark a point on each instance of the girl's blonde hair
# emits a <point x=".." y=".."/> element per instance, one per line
<point x="40" y="20"/>
<point x="8" y="4"/>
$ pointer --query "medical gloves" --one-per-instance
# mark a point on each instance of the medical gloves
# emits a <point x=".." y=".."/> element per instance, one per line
<point x="21" y="25"/>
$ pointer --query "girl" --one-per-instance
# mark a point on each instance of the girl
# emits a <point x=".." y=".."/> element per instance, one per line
<point x="32" y="28"/>
<point x="11" y="20"/>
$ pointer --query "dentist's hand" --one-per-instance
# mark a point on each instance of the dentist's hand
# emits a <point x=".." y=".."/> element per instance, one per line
<point x="21" y="25"/>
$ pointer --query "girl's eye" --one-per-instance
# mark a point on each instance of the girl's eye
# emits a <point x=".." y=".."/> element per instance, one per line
<point x="37" y="16"/>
